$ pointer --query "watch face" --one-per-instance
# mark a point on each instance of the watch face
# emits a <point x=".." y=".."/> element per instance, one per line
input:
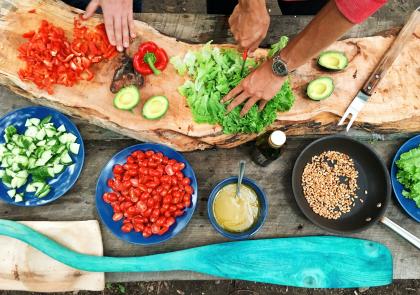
<point x="279" y="68"/>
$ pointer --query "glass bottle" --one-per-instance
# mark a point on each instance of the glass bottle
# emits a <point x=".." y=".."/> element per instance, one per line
<point x="268" y="147"/>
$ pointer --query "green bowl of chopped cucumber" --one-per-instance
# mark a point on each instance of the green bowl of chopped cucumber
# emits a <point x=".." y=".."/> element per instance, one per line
<point x="41" y="156"/>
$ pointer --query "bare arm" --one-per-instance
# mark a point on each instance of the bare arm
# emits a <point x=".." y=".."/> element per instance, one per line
<point x="262" y="85"/>
<point x="326" y="27"/>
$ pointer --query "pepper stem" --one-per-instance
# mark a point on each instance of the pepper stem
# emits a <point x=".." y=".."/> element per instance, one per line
<point x="150" y="59"/>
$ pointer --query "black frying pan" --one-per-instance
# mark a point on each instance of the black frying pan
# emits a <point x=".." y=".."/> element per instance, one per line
<point x="373" y="177"/>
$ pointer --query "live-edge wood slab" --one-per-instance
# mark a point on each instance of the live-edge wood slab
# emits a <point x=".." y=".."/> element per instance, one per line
<point x="395" y="106"/>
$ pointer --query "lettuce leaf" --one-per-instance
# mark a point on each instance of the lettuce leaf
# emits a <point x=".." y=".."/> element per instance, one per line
<point x="212" y="73"/>
<point x="409" y="174"/>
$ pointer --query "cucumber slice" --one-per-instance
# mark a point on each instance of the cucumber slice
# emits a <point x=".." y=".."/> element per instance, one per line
<point x="41" y="143"/>
<point x="30" y="188"/>
<point x="50" y="132"/>
<point x="127" y="98"/>
<point x="16" y="151"/>
<point x="51" y="142"/>
<point x="18" y="198"/>
<point x="45" y="191"/>
<point x="46" y="120"/>
<point x="58" y="168"/>
<point x="35" y="121"/>
<point x="11" y="193"/>
<point x="155" y="107"/>
<point x="74" y="148"/>
<point x="31" y="132"/>
<point x="62" y="128"/>
<point x="22" y="174"/>
<point x="51" y="172"/>
<point x="18" y="182"/>
<point x="65" y="158"/>
<point x="320" y="88"/>
<point x="15" y="167"/>
<point x="41" y="134"/>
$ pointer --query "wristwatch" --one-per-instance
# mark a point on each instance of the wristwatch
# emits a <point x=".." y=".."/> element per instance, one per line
<point x="279" y="66"/>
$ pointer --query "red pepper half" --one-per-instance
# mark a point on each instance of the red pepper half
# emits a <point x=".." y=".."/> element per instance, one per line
<point x="150" y="59"/>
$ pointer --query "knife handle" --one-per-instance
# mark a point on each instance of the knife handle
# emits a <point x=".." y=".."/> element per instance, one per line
<point x="396" y="47"/>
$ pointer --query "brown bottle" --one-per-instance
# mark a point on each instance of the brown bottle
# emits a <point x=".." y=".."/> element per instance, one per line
<point x="268" y="147"/>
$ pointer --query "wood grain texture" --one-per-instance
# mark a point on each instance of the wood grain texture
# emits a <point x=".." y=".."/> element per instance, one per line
<point x="284" y="218"/>
<point x="92" y="101"/>
<point x="391" y="55"/>
<point x="24" y="268"/>
<point x="311" y="262"/>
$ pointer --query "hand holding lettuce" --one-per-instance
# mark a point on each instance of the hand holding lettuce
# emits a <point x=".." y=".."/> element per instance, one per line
<point x="213" y="72"/>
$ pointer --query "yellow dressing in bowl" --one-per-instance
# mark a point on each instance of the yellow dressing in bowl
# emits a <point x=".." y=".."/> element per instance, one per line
<point x="236" y="214"/>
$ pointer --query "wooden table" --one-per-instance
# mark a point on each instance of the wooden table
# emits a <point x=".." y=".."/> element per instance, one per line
<point x="284" y="217"/>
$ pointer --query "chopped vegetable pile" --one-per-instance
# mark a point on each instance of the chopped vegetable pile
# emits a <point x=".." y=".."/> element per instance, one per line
<point x="51" y="59"/>
<point x="42" y="152"/>
<point x="409" y="174"/>
<point x="149" y="192"/>
<point x="214" y="72"/>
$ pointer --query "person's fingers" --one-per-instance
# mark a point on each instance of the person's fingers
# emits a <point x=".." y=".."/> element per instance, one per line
<point x="109" y="28"/>
<point x="131" y="25"/>
<point x="118" y="32"/>
<point x="261" y="104"/>
<point x="237" y="101"/>
<point x="125" y="32"/>
<point x="234" y="92"/>
<point x="91" y="8"/>
<point x="248" y="105"/>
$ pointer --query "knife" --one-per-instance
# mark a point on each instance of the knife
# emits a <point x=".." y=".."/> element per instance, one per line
<point x="386" y="62"/>
<point x="244" y="58"/>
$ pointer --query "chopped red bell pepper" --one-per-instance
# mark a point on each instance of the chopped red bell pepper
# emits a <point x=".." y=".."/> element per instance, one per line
<point x="150" y="59"/>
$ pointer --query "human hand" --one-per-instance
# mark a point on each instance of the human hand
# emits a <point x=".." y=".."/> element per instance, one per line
<point x="118" y="19"/>
<point x="249" y="23"/>
<point x="259" y="86"/>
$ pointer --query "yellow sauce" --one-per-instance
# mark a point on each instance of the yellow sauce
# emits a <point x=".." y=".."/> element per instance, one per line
<point x="236" y="214"/>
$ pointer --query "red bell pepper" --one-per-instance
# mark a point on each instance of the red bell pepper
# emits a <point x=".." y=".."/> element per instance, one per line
<point x="150" y="59"/>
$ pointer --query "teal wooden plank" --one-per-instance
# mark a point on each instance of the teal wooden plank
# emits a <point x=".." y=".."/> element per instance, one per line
<point x="314" y="262"/>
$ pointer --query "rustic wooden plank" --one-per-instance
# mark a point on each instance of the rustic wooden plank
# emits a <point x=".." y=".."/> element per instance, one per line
<point x="284" y="218"/>
<point x="178" y="130"/>
<point x="201" y="28"/>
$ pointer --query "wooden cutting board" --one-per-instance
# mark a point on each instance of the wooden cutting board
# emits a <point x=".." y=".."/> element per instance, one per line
<point x="394" y="108"/>
<point x="25" y="268"/>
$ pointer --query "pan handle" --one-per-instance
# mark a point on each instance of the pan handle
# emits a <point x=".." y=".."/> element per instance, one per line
<point x="402" y="232"/>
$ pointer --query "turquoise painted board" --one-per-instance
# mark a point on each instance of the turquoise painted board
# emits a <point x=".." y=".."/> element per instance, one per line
<point x="314" y="262"/>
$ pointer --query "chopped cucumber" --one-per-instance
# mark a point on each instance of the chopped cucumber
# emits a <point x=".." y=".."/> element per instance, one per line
<point x="11" y="193"/>
<point x="18" y="198"/>
<point x="40" y="153"/>
<point x="58" y="168"/>
<point x="74" y="148"/>
<point x="62" y="128"/>
<point x="41" y="134"/>
<point x="30" y="188"/>
<point x="31" y="131"/>
<point x="65" y="158"/>
<point x="50" y="132"/>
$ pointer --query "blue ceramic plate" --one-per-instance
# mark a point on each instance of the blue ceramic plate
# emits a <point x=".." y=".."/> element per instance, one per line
<point x="105" y="210"/>
<point x="64" y="181"/>
<point x="408" y="204"/>
<point x="261" y="217"/>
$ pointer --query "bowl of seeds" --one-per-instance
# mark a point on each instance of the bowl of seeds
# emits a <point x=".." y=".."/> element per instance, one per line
<point x="341" y="184"/>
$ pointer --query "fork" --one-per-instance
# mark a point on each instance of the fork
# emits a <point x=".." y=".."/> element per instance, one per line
<point x="386" y="62"/>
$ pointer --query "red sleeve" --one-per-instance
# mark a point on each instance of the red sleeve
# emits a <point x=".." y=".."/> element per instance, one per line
<point x="357" y="11"/>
